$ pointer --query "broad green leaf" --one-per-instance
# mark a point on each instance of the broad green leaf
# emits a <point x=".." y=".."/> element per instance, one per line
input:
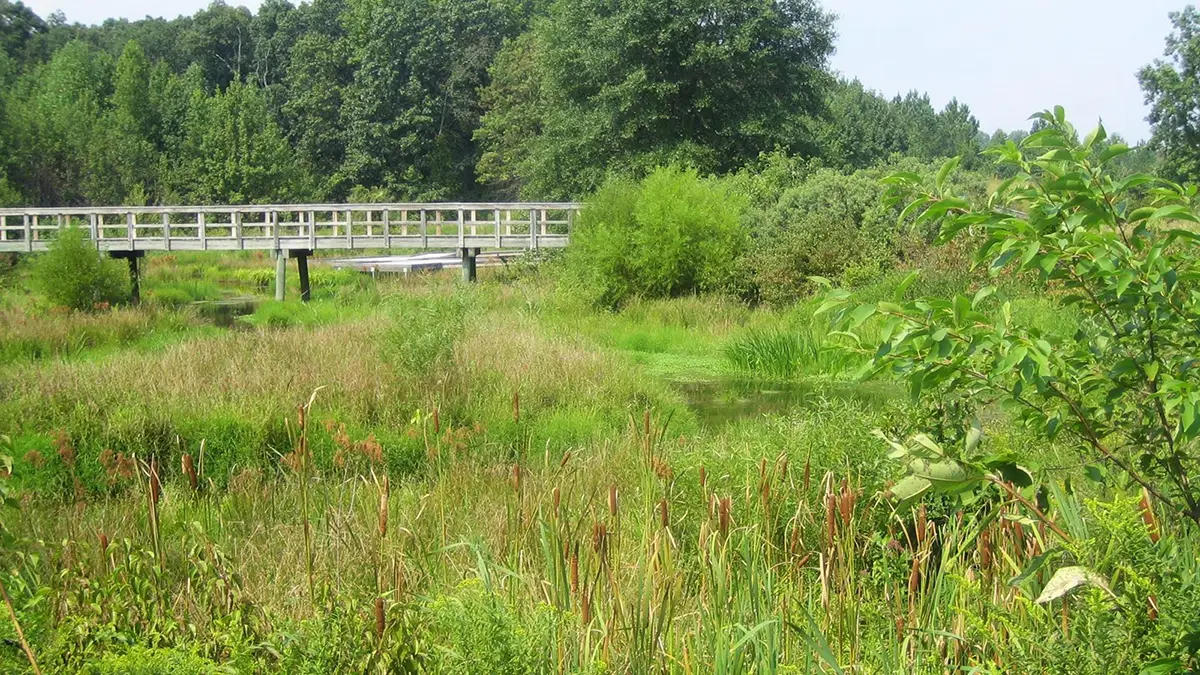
<point x="944" y="172"/>
<point x="1034" y="566"/>
<point x="908" y="490"/>
<point x="946" y="475"/>
<point x="864" y="312"/>
<point x="1067" y="579"/>
<point x="904" y="285"/>
<point x="1112" y="152"/>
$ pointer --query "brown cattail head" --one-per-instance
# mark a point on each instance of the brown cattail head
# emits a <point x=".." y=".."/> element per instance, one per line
<point x="794" y="541"/>
<point x="380" y="618"/>
<point x="703" y="481"/>
<point x="914" y="577"/>
<point x="437" y="422"/>
<point x="612" y="500"/>
<point x="830" y="518"/>
<point x="921" y="522"/>
<point x="646" y="426"/>
<point x="762" y="469"/>
<point x="189" y="470"/>
<point x="383" y="508"/>
<point x="556" y="497"/>
<point x="517" y="407"/>
<point x="1148" y="517"/>
<point x="807" y="473"/>
<point x="575" y="569"/>
<point x="565" y="458"/>
<point x="599" y="538"/>
<point x="585" y="603"/>
<point x="516" y="479"/>
<point x="985" y="550"/>
<point x="724" y="516"/>
<point x="103" y="543"/>
<point x="155" y="485"/>
<point x="664" y="516"/>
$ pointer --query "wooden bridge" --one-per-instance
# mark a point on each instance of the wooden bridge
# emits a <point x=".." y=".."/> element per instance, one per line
<point x="296" y="230"/>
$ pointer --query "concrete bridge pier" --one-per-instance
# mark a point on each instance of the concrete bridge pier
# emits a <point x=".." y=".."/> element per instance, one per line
<point x="135" y="291"/>
<point x="280" y="274"/>
<point x="468" y="263"/>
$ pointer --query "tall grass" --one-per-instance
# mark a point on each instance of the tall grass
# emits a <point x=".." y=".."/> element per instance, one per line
<point x="785" y="353"/>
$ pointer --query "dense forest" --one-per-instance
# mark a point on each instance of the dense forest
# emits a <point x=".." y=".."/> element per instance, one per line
<point x="373" y="100"/>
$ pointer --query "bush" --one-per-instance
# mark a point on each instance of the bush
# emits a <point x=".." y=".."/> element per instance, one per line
<point x="72" y="274"/>
<point x="827" y="225"/>
<point x="674" y="234"/>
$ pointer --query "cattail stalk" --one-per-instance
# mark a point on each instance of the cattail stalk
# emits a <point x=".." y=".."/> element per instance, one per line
<point x="12" y="614"/>
<point x="612" y="501"/>
<point x="189" y="470"/>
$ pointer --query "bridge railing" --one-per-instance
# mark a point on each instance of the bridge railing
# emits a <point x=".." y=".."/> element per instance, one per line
<point x="297" y="226"/>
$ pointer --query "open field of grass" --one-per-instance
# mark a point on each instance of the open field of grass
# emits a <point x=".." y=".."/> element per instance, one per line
<point x="492" y="479"/>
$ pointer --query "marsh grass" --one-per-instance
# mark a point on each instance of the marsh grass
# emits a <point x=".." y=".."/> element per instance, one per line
<point x="521" y="496"/>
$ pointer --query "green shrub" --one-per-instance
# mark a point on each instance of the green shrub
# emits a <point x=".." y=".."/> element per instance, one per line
<point x="424" y="331"/>
<point x="146" y="661"/>
<point x="675" y="233"/>
<point x="827" y="225"/>
<point x="484" y="635"/>
<point x="73" y="274"/>
<point x="782" y="353"/>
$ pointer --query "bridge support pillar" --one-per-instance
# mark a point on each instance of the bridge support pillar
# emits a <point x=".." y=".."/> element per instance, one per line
<point x="468" y="263"/>
<point x="280" y="275"/>
<point x="132" y="257"/>
<point x="301" y="257"/>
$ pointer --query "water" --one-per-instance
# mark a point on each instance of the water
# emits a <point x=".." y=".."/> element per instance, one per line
<point x="718" y="402"/>
<point x="224" y="313"/>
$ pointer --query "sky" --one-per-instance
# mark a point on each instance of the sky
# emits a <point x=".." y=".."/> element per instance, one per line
<point x="1006" y="59"/>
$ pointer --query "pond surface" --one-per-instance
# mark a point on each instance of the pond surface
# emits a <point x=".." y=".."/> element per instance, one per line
<point x="720" y="401"/>
<point x="224" y="313"/>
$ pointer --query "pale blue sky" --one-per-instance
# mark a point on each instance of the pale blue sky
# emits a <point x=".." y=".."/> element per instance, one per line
<point x="1004" y="58"/>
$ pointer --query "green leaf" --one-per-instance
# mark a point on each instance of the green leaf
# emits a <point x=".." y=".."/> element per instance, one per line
<point x="858" y="316"/>
<point x="947" y="475"/>
<point x="908" y="490"/>
<point x="821" y="281"/>
<point x="1125" y="278"/>
<point x="1067" y="579"/>
<point x="1097" y="136"/>
<point x="981" y="295"/>
<point x="1112" y="152"/>
<point x="1168" y="665"/>
<point x="1034" y="566"/>
<point x="904" y="285"/>
<point x="944" y="172"/>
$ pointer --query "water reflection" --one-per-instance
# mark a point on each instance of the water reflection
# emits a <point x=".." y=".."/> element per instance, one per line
<point x="720" y="401"/>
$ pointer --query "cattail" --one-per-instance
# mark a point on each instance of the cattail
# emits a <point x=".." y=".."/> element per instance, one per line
<point x="646" y="426"/>
<point x="664" y="516"/>
<point x="900" y="627"/>
<point x="585" y="606"/>
<point x="612" y="500"/>
<point x="762" y="469"/>
<point x="724" y="516"/>
<point x="155" y="485"/>
<point x="517" y="407"/>
<point x="921" y="522"/>
<point x="985" y="550"/>
<point x="794" y="542"/>
<point x="575" y="569"/>
<point x="516" y="479"/>
<point x="703" y="481"/>
<point x="914" y="577"/>
<point x="383" y="508"/>
<point x="556" y="496"/>
<point x="782" y="469"/>
<point x="565" y="458"/>
<point x="830" y="519"/>
<point x="437" y="422"/>
<point x="189" y="469"/>
<point x="1148" y="517"/>
<point x="807" y="473"/>
<point x="103" y="543"/>
<point x="380" y="618"/>
<point x="846" y="504"/>
<point x="599" y="538"/>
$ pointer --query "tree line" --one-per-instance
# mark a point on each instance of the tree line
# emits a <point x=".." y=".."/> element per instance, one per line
<point x="335" y="100"/>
